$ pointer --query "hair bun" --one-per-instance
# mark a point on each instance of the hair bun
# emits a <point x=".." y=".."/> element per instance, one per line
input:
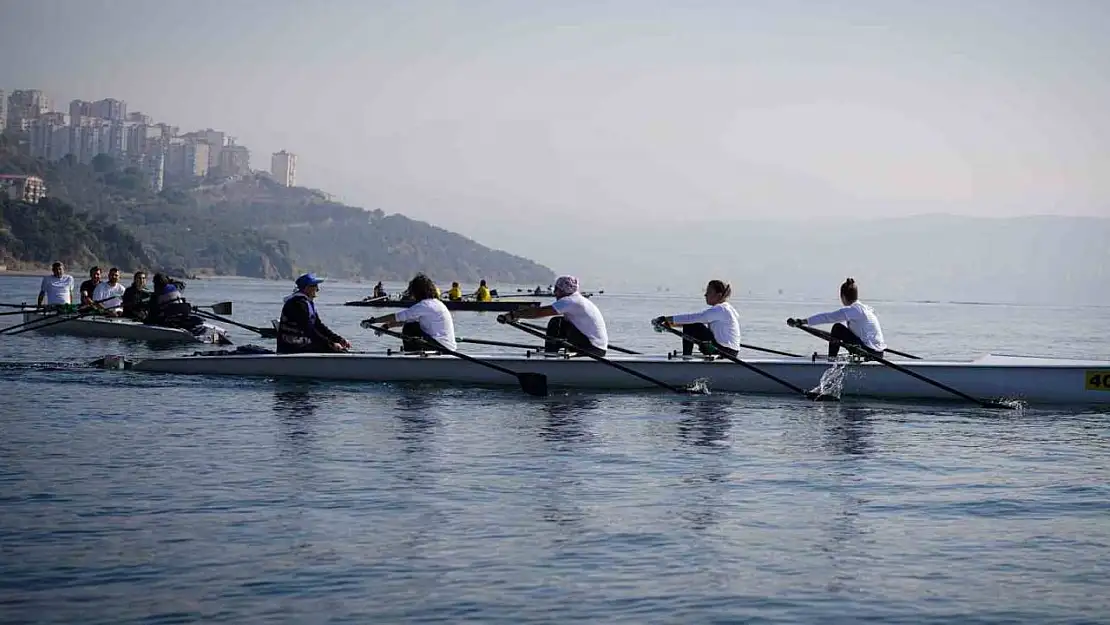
<point x="850" y="281"/>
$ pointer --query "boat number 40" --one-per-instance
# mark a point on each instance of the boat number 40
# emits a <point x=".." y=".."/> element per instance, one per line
<point x="1098" y="380"/>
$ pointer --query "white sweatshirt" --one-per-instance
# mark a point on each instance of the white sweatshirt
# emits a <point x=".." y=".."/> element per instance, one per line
<point x="860" y="319"/>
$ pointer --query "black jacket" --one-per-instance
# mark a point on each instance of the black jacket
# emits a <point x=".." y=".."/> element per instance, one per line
<point x="300" y="329"/>
<point x="134" y="302"/>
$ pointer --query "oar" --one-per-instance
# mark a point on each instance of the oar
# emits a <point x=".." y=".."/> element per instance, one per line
<point x="266" y="333"/>
<point x="64" y="317"/>
<point x="531" y="383"/>
<point x="863" y="353"/>
<point x="13" y="306"/>
<point x="63" y="310"/>
<point x="689" y="390"/>
<point x="753" y="368"/>
<point x="544" y="331"/>
<point x="903" y="354"/>
<point x="221" y="308"/>
<point x="498" y="343"/>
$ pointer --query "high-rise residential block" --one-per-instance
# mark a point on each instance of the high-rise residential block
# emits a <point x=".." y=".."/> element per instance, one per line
<point x="283" y="167"/>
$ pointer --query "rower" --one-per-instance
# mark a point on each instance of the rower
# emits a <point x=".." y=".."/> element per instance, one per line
<point x="57" y="288"/>
<point x="483" y="293"/>
<point x="108" y="296"/>
<point x="135" y="297"/>
<point x="300" y="329"/>
<point x="718" y="324"/>
<point x="860" y="324"/>
<point x="455" y="294"/>
<point x="427" y="324"/>
<point x="88" y="286"/>
<point x="579" y="322"/>
<point x="168" y="308"/>
<point x="379" y="291"/>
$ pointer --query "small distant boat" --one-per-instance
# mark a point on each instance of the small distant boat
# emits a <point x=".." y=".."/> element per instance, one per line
<point x="497" y="305"/>
<point x="119" y="328"/>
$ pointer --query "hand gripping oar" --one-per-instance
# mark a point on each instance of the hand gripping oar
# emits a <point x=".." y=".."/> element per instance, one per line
<point x="713" y="344"/>
<point x="266" y="333"/>
<point x="531" y="383"/>
<point x="522" y="325"/>
<point x="869" y="355"/>
<point x="685" y="390"/>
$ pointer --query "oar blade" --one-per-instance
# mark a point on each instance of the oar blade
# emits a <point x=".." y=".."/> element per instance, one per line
<point x="222" y="308"/>
<point x="534" y="384"/>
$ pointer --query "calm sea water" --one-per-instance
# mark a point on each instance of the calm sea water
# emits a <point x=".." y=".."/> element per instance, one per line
<point x="132" y="498"/>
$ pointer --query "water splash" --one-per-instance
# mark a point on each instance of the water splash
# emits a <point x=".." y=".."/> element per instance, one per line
<point x="699" y="386"/>
<point x="832" y="380"/>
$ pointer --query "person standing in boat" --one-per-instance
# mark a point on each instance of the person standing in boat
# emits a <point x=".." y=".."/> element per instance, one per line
<point x="108" y="296"/>
<point x="300" y="329"/>
<point x="576" y="320"/>
<point x="483" y="293"/>
<point x="168" y="308"/>
<point x="57" y="288"/>
<point x="720" y="323"/>
<point x="135" y="297"/>
<point x="88" y="286"/>
<point x="427" y="324"/>
<point x="854" y="324"/>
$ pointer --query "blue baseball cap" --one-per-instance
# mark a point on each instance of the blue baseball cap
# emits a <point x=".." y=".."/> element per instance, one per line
<point x="307" y="280"/>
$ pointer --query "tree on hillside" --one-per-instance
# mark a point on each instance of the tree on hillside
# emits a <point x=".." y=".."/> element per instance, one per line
<point x="103" y="163"/>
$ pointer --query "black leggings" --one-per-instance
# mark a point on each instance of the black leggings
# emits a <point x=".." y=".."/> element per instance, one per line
<point x="417" y="340"/>
<point x="701" y="333"/>
<point x="847" y="337"/>
<point x="560" y="328"/>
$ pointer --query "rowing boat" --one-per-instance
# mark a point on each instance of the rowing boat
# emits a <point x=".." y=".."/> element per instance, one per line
<point x="93" y="326"/>
<point x="501" y="305"/>
<point x="1031" y="379"/>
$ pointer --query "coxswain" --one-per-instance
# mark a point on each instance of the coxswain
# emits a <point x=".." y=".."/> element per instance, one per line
<point x="57" y="288"/>
<point x="455" y="294"/>
<point x="300" y="329"/>
<point x="719" y="324"/>
<point x="578" y="320"/>
<point x="88" y="286"/>
<point x="168" y="308"/>
<point x="854" y="324"/>
<point x="482" y="294"/>
<point x="135" y="297"/>
<point x="426" y="325"/>
<point x="108" y="296"/>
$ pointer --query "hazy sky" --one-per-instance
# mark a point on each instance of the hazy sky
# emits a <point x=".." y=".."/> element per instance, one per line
<point x="465" y="112"/>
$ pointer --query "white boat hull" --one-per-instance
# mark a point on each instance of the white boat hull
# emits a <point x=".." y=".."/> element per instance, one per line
<point x="117" y="328"/>
<point x="1033" y="380"/>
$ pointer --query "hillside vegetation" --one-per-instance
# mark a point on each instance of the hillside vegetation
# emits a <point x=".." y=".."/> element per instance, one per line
<point x="250" y="226"/>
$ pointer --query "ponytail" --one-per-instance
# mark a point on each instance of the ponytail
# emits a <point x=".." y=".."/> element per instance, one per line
<point x="849" y="291"/>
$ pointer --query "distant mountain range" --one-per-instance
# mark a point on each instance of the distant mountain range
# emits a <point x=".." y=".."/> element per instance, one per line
<point x="251" y="227"/>
<point x="1037" y="259"/>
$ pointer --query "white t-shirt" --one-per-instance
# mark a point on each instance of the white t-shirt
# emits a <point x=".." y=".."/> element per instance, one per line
<point x="435" y="320"/>
<point x="104" y="291"/>
<point x="585" y="316"/>
<point x="58" y="290"/>
<point x="860" y="319"/>
<point x="723" y="321"/>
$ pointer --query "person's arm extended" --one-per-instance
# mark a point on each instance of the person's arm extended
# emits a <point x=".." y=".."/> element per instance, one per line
<point x="840" y="315"/>
<point x="531" y="312"/>
<point x="704" y="316"/>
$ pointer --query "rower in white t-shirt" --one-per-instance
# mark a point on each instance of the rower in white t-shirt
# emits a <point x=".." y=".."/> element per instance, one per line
<point x="720" y="323"/>
<point x="57" y="288"/>
<point x="108" y="296"/>
<point x="579" y="322"/>
<point x="426" y="324"/>
<point x="855" y="324"/>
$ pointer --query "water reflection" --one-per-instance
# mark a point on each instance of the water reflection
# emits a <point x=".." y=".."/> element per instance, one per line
<point x="706" y="422"/>
<point x="705" y="426"/>
<point x="848" y="429"/>
<point x="295" y="405"/>
<point x="563" y="421"/>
